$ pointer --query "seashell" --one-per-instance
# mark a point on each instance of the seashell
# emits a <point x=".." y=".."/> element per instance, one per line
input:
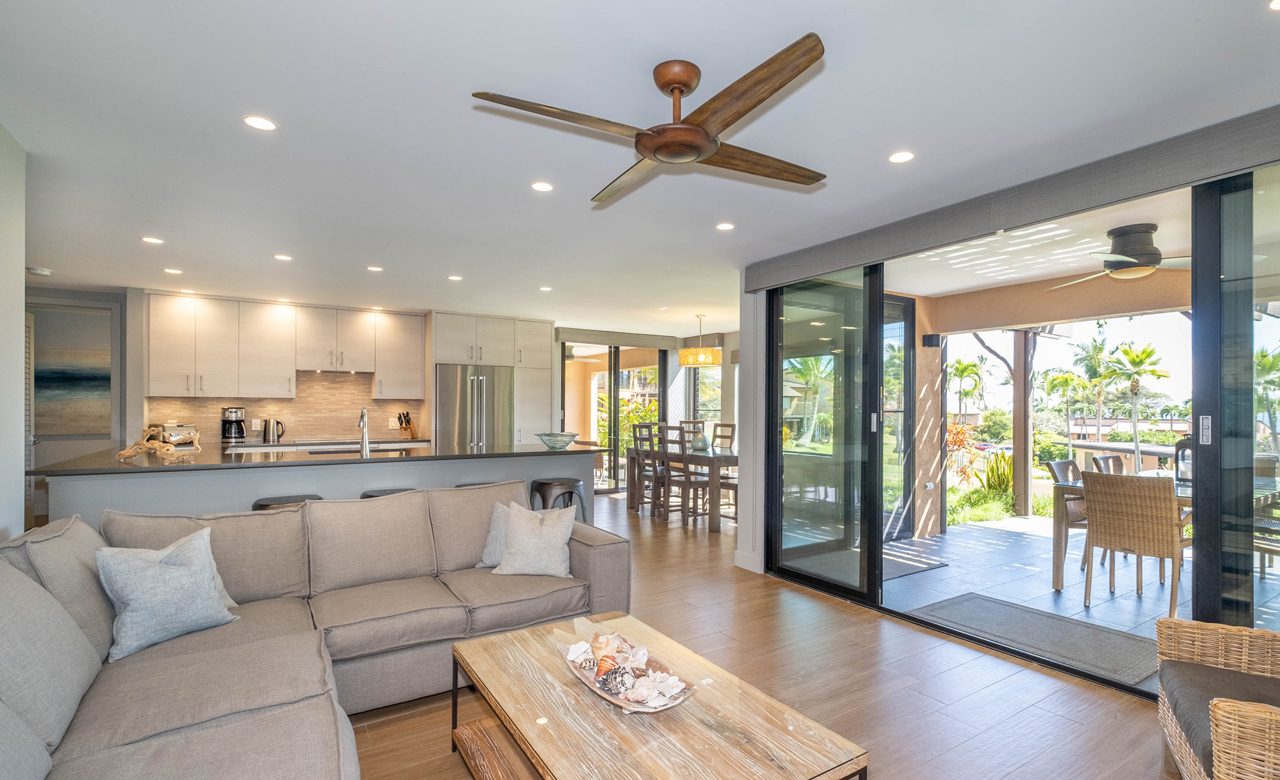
<point x="616" y="682"/>
<point x="605" y="665"/>
<point x="577" y="651"/>
<point x="602" y="645"/>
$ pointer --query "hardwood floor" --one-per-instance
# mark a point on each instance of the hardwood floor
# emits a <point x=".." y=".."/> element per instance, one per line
<point x="924" y="705"/>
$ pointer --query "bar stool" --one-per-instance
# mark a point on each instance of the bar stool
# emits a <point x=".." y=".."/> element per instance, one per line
<point x="550" y="490"/>
<point x="282" y="502"/>
<point x="380" y="492"/>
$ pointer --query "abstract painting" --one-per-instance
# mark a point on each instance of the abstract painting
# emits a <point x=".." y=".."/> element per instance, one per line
<point x="72" y="372"/>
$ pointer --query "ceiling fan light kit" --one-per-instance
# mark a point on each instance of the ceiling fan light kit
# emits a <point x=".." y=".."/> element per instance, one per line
<point x="695" y="138"/>
<point x="1133" y="254"/>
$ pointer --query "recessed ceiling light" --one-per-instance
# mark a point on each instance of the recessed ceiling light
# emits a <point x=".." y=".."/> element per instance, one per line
<point x="725" y="226"/>
<point x="260" y="123"/>
<point x="377" y="308"/>
<point x="153" y="240"/>
<point x="187" y="291"/>
<point x="542" y="186"/>
<point x="172" y="271"/>
<point x="283" y="300"/>
<point x="901" y="157"/>
<point x="815" y="322"/>
<point x="36" y="270"/>
<point x="545" y="289"/>
<point x="373" y="268"/>
<point x="455" y="278"/>
<point x="824" y="338"/>
<point x="662" y="308"/>
<point x="283" y="257"/>
<point x="834" y="351"/>
<point x="1275" y="5"/>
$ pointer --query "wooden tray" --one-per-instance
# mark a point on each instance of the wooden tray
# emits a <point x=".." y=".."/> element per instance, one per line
<point x="563" y="641"/>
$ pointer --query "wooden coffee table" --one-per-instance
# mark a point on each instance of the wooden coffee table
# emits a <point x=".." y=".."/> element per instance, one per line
<point x="725" y="729"/>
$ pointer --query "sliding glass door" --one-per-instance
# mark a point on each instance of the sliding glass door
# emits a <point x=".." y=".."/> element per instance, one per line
<point x="824" y="381"/>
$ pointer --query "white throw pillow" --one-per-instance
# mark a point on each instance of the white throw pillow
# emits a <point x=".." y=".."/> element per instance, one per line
<point x="538" y="542"/>
<point x="158" y="600"/>
<point x="497" y="541"/>
<point x="156" y="556"/>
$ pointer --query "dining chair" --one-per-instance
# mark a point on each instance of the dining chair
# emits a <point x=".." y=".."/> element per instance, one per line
<point x="722" y="437"/>
<point x="1108" y="464"/>
<point x="598" y="468"/>
<point x="649" y="467"/>
<point x="1138" y="515"/>
<point x="693" y="483"/>
<point x="1069" y="471"/>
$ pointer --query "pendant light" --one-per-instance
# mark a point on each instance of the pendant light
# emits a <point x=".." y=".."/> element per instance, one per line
<point x="700" y="355"/>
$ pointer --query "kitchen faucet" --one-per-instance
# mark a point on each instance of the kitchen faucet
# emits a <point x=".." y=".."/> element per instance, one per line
<point x="364" y="432"/>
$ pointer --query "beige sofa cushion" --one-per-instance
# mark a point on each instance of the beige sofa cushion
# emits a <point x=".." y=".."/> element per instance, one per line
<point x="60" y="556"/>
<point x="369" y="540"/>
<point x="258" y="620"/>
<point x="311" y="738"/>
<point x="505" y="602"/>
<point x="22" y="754"/>
<point x="132" y="702"/>
<point x="460" y="520"/>
<point x="384" y="616"/>
<point x="260" y="555"/>
<point x="46" y="662"/>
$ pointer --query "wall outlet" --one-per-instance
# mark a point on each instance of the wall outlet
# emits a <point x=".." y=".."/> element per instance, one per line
<point x="393" y="424"/>
<point x="255" y="425"/>
<point x="928" y="486"/>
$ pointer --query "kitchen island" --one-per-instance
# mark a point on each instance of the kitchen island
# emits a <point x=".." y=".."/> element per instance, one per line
<point x="220" y="479"/>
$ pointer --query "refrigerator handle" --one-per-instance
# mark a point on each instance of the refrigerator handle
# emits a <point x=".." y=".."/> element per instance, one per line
<point x="484" y="427"/>
<point x="471" y="393"/>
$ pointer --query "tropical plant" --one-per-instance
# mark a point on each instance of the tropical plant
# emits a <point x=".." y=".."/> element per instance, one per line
<point x="1067" y="385"/>
<point x="996" y="426"/>
<point x="1130" y="365"/>
<point x="1266" y="385"/>
<point x="815" y="374"/>
<point x="1091" y="359"/>
<point x="631" y="410"/>
<point x="961" y="450"/>
<point x="999" y="476"/>
<point x="962" y="371"/>
<point x="893" y="375"/>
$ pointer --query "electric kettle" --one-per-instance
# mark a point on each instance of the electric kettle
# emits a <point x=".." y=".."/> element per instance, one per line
<point x="272" y="430"/>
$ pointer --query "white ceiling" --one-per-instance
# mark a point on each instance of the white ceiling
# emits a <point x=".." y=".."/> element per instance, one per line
<point x="131" y="114"/>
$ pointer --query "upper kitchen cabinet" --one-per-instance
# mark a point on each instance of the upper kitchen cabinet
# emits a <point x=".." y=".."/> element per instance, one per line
<point x="192" y="346"/>
<point x="473" y="340"/>
<point x="268" y="345"/>
<point x="400" y="362"/>
<point x="495" y="341"/>
<point x="335" y="340"/>
<point x="533" y="344"/>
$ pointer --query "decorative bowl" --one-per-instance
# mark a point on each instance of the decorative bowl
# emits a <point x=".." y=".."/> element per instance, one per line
<point x="586" y="672"/>
<point x="557" y="441"/>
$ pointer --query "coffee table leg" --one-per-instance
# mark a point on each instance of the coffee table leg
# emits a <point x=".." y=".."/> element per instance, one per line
<point x="453" y="744"/>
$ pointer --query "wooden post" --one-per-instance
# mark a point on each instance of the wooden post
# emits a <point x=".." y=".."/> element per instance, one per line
<point x="1024" y="344"/>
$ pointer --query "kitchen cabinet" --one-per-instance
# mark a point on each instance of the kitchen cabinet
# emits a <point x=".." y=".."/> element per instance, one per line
<point x="192" y="347"/>
<point x="532" y="403"/>
<point x="533" y="344"/>
<point x="335" y="339"/>
<point x="495" y="341"/>
<point x="217" y="348"/>
<point x="400" y="359"/>
<point x="268" y="346"/>
<point x="471" y="340"/>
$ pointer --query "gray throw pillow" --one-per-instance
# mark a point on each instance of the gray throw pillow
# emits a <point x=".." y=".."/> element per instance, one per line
<point x="497" y="541"/>
<point x="156" y="556"/>
<point x="538" y="542"/>
<point x="159" y="600"/>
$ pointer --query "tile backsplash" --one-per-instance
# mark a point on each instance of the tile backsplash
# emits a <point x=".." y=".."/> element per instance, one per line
<point x="327" y="406"/>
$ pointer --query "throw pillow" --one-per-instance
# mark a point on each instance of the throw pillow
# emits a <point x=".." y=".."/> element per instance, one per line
<point x="155" y="556"/>
<point x="497" y="541"/>
<point x="538" y="542"/>
<point x="159" y="600"/>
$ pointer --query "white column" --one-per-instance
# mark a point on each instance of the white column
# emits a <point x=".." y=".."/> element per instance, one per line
<point x="13" y="262"/>
<point x="752" y="436"/>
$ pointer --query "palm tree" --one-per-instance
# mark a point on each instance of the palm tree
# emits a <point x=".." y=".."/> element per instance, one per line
<point x="815" y="373"/>
<point x="1266" y="384"/>
<point x="1131" y="365"/>
<point x="961" y="370"/>
<point x="1066" y="384"/>
<point x="1091" y="359"/>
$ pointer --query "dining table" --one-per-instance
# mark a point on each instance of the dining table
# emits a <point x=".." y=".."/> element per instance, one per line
<point x="1266" y="493"/>
<point x="713" y="459"/>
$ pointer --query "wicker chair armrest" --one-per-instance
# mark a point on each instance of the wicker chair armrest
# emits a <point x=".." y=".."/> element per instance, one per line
<point x="1241" y="649"/>
<point x="1246" y="740"/>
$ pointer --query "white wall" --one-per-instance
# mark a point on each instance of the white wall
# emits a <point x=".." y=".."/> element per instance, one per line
<point x="751" y="431"/>
<point x="13" y="262"/>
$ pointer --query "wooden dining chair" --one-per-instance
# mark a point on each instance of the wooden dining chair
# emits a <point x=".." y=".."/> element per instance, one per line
<point x="722" y="437"/>
<point x="693" y="483"/>
<point x="1108" y="464"/>
<point x="1138" y="515"/>
<point x="649" y="467"/>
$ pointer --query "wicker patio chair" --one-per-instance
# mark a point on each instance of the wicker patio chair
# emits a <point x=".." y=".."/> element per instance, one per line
<point x="1133" y="514"/>
<point x="1108" y="464"/>
<point x="1068" y="471"/>
<point x="1245" y="735"/>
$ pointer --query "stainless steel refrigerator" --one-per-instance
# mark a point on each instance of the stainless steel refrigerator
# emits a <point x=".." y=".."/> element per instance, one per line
<point x="475" y="408"/>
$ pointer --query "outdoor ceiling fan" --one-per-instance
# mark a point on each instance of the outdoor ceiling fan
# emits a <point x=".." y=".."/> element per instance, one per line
<point x="695" y="138"/>
<point x="1133" y="254"/>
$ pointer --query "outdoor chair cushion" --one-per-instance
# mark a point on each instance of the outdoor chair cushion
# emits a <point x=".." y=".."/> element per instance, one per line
<point x="46" y="662"/>
<point x="1190" y="687"/>
<point x="460" y="520"/>
<point x="60" y="556"/>
<point x="260" y="555"/>
<point x="384" y="616"/>
<point x="505" y="602"/>
<point x="368" y="540"/>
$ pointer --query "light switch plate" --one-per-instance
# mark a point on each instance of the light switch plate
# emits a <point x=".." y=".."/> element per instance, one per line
<point x="928" y="486"/>
<point x="393" y="424"/>
<point x="255" y="425"/>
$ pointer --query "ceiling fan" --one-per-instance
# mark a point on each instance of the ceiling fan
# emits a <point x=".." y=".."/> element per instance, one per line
<point x="695" y="137"/>
<point x="1133" y="254"/>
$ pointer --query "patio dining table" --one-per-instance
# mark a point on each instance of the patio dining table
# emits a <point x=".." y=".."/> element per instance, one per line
<point x="713" y="459"/>
<point x="1266" y="493"/>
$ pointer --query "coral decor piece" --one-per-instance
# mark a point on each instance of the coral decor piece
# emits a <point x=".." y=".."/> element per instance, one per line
<point x="624" y="674"/>
<point x="154" y="440"/>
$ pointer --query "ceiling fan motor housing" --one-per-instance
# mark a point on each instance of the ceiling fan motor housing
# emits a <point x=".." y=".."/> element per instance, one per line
<point x="1133" y="251"/>
<point x="677" y="143"/>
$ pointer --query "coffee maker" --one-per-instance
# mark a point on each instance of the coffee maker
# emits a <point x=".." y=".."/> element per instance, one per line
<point x="233" y="425"/>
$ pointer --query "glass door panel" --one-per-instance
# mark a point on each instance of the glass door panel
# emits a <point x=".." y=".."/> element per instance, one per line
<point x="897" y="395"/>
<point x="639" y="397"/>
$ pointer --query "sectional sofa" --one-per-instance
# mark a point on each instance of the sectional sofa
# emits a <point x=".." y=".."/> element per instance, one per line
<point x="344" y="606"/>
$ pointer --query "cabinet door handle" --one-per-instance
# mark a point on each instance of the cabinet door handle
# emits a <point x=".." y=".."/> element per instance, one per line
<point x="290" y="385"/>
<point x="342" y="358"/>
<point x="471" y="353"/>
<point x="330" y="357"/>
<point x="482" y="353"/>
<point x="188" y="383"/>
<point x="379" y="387"/>
<point x="519" y="355"/>
<point x="202" y="383"/>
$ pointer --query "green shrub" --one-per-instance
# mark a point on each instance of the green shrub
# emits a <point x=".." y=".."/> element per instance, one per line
<point x="977" y="505"/>
<point x="999" y="476"/>
<point x="1042" y="506"/>
<point x="1157" y="436"/>
<point x="996" y="426"/>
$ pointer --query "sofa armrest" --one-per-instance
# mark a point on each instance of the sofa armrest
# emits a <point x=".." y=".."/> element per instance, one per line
<point x="1240" y="649"/>
<point x="1246" y="740"/>
<point x="603" y="560"/>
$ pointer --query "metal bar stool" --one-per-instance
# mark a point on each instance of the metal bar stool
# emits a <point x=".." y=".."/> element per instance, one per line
<point x="380" y="492"/>
<point x="550" y="490"/>
<point x="282" y="502"/>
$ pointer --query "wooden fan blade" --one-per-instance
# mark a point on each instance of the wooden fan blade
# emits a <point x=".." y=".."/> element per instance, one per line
<point x="1078" y="281"/>
<point x="564" y="115"/>
<point x="739" y="98"/>
<point x="629" y="178"/>
<point x="735" y="158"/>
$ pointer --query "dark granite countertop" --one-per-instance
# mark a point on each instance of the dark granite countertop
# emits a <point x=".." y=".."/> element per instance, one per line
<point x="215" y="457"/>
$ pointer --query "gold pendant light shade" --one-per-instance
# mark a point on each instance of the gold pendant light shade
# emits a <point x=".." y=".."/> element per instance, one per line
<point x="700" y="355"/>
